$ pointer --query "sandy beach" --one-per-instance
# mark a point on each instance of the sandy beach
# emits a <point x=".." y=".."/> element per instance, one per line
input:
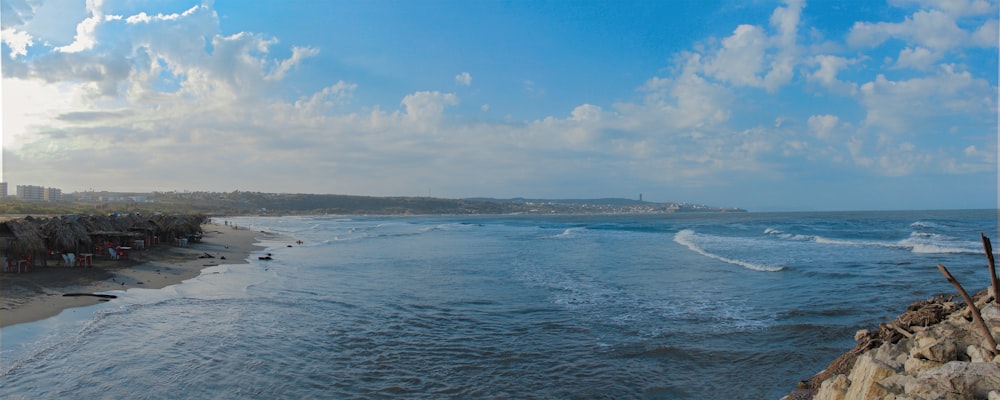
<point x="38" y="294"/>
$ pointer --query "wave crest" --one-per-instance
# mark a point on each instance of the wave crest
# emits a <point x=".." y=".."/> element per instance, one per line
<point x="688" y="238"/>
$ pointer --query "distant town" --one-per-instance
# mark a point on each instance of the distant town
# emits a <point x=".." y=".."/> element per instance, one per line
<point x="38" y="200"/>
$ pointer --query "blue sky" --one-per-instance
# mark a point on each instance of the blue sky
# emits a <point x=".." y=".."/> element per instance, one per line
<point x="795" y="105"/>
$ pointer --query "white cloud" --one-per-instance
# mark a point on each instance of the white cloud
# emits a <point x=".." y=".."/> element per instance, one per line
<point x="426" y="109"/>
<point x="687" y="101"/>
<point x="918" y="58"/>
<point x="904" y="105"/>
<point x="167" y="94"/>
<point x="786" y="21"/>
<point x="586" y="113"/>
<point x="933" y="29"/>
<point x="988" y="35"/>
<point x="741" y="58"/>
<point x="298" y="54"/>
<point x="142" y="17"/>
<point x="322" y="101"/>
<point x="18" y="41"/>
<point x="826" y="75"/>
<point x="957" y="8"/>
<point x="823" y="126"/>
<point x="750" y="57"/>
<point x="31" y="107"/>
<point x="86" y="30"/>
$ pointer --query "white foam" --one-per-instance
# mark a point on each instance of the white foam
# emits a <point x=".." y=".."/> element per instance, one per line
<point x="687" y="237"/>
<point x="918" y="242"/>
<point x="925" y="224"/>
<point x="791" y="236"/>
<point x="565" y="234"/>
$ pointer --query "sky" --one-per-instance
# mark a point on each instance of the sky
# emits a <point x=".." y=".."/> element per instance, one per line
<point x="763" y="105"/>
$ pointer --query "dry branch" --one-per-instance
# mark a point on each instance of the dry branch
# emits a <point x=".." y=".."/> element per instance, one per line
<point x="994" y="283"/>
<point x="973" y="309"/>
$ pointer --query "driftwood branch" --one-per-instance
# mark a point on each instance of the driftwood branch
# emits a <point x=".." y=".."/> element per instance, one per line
<point x="994" y="282"/>
<point x="973" y="309"/>
<point x="901" y="331"/>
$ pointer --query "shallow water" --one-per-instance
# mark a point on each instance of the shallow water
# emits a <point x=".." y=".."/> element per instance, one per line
<point x="685" y="306"/>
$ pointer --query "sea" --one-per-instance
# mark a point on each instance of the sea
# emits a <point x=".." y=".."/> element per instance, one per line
<point x="673" y="306"/>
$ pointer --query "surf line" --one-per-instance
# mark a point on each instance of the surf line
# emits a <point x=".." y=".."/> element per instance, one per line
<point x="684" y="238"/>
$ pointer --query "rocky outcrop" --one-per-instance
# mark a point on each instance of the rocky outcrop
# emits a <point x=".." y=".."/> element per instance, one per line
<point x="932" y="351"/>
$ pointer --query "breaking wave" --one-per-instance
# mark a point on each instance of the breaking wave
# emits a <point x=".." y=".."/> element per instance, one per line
<point x="691" y="240"/>
<point x="917" y="242"/>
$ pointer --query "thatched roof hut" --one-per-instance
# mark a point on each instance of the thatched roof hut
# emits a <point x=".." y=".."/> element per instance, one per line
<point x="174" y="226"/>
<point x="31" y="235"/>
<point x="21" y="237"/>
<point x="64" y="233"/>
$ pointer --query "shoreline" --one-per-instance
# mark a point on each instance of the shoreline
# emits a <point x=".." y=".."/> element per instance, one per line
<point x="39" y="294"/>
<point x="932" y="350"/>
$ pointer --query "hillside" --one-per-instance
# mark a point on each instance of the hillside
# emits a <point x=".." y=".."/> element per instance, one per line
<point x="243" y="203"/>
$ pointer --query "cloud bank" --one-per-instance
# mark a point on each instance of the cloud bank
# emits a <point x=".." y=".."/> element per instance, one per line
<point x="163" y="101"/>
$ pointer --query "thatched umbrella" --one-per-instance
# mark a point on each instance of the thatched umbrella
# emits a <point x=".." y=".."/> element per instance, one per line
<point x="143" y="228"/>
<point x="175" y="226"/>
<point x="20" y="237"/>
<point x="65" y="233"/>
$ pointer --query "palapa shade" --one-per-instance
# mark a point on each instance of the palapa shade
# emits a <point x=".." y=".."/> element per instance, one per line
<point x="21" y="237"/>
<point x="65" y="233"/>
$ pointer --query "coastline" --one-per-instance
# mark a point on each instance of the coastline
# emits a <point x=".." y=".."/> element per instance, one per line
<point x="933" y="350"/>
<point x="37" y="295"/>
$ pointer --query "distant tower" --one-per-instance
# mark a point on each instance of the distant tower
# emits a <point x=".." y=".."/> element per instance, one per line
<point x="640" y="197"/>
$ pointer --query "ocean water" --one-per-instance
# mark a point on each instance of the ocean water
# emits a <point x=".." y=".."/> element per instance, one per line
<point x="682" y="306"/>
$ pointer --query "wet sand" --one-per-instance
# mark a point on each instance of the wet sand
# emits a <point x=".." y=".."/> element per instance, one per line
<point x="38" y="294"/>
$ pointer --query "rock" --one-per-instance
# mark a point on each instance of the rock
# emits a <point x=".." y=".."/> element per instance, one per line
<point x="971" y="380"/>
<point x="915" y="365"/>
<point x="863" y="378"/>
<point x="834" y="388"/>
<point x="897" y="384"/>
<point x="946" y="358"/>
<point x="892" y="354"/>
<point x="990" y="313"/>
<point x="978" y="354"/>
<point x="940" y="350"/>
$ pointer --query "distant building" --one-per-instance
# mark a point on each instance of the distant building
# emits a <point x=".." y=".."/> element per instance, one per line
<point x="52" y="194"/>
<point x="3" y="190"/>
<point x="38" y="193"/>
<point x="30" y="192"/>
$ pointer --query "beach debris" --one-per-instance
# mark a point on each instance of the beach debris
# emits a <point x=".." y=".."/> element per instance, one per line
<point x="976" y="315"/>
<point x="206" y="255"/>
<point x="994" y="282"/>
<point x="103" y="296"/>
<point x="267" y="257"/>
